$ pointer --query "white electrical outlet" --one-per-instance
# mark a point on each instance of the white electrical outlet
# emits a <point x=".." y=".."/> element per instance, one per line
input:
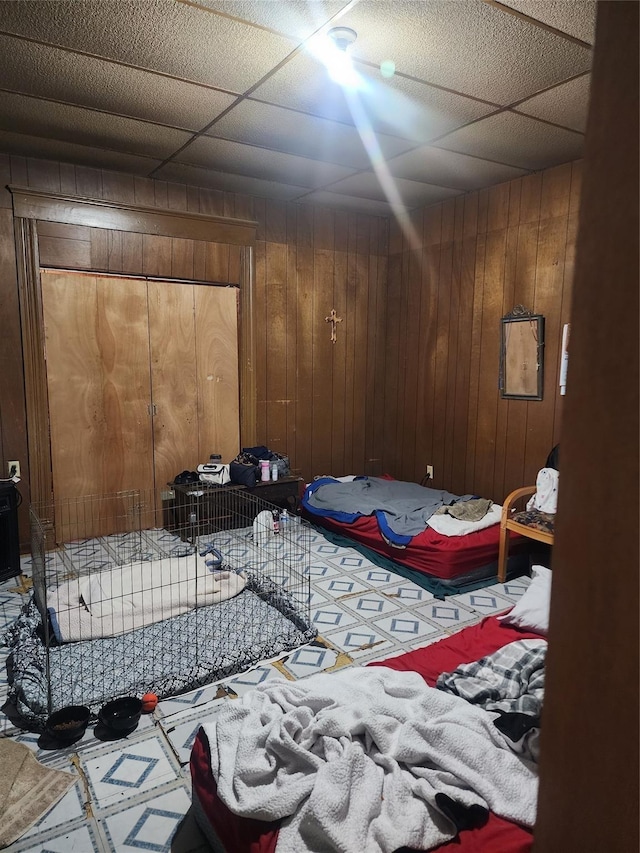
<point x="430" y="472"/>
<point x="14" y="468"/>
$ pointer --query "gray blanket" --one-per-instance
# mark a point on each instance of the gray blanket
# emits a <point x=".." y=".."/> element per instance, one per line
<point x="355" y="761"/>
<point x="405" y="507"/>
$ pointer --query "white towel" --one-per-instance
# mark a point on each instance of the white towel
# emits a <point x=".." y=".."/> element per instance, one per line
<point x="356" y="758"/>
<point x="118" y="600"/>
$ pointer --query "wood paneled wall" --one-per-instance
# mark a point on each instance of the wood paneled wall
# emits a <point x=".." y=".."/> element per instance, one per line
<point x="413" y="376"/>
<point x="82" y="248"/>
<point x="319" y="402"/>
<point x="473" y="259"/>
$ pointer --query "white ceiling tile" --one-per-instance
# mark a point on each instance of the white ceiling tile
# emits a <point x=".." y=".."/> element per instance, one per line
<point x="233" y="183"/>
<point x="576" y="17"/>
<point x="174" y="38"/>
<point x="49" y="72"/>
<point x="222" y="155"/>
<point x="470" y="47"/>
<point x="411" y="193"/>
<point x="437" y="166"/>
<point x="347" y="202"/>
<point x="297" y="18"/>
<point x="68" y="152"/>
<point x="516" y="140"/>
<point x="298" y="133"/>
<point x="303" y="84"/>
<point x="415" y="110"/>
<point x="297" y="130"/>
<point x="74" y="124"/>
<point x="397" y="106"/>
<point x="567" y="105"/>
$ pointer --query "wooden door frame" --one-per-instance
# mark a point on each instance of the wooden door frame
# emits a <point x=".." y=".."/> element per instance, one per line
<point x="31" y="205"/>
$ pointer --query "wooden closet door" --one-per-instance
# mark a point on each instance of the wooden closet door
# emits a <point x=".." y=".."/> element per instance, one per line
<point x="97" y="351"/>
<point x="173" y="380"/>
<point x="217" y="371"/>
<point x="193" y="330"/>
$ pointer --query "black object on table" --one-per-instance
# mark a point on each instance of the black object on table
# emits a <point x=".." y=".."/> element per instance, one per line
<point x="9" y="536"/>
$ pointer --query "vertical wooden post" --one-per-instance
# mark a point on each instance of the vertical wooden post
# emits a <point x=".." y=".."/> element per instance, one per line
<point x="35" y="376"/>
<point x="588" y="797"/>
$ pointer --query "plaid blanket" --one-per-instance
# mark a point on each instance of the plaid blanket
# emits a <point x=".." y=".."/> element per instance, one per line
<point x="511" y="682"/>
<point x="511" y="679"/>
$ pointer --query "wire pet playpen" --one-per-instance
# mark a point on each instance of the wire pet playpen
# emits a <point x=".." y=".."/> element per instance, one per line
<point x="123" y="606"/>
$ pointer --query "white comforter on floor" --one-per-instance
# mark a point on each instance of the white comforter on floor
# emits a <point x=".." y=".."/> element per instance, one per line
<point x="355" y="759"/>
<point x="118" y="600"/>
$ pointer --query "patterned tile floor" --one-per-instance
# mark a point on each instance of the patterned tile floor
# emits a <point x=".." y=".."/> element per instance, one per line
<point x="134" y="794"/>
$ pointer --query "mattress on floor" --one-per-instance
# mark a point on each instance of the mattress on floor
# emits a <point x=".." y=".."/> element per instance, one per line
<point x="460" y="558"/>
<point x="227" y="831"/>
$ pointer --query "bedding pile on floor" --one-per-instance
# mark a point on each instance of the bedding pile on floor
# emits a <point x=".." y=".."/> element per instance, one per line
<point x="167" y="658"/>
<point x="401" y="509"/>
<point x="350" y="760"/>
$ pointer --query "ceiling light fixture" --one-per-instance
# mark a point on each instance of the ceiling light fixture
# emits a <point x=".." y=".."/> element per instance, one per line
<point x="338" y="61"/>
<point x="342" y="37"/>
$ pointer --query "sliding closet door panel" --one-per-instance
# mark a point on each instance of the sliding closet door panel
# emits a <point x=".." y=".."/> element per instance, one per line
<point x="216" y="318"/>
<point x="123" y="340"/>
<point x="97" y="349"/>
<point x="173" y="379"/>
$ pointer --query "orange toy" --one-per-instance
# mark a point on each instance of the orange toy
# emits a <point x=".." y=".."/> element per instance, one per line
<point x="149" y="702"/>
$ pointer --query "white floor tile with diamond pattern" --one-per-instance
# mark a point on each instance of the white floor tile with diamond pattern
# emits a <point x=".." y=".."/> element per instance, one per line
<point x="134" y="794"/>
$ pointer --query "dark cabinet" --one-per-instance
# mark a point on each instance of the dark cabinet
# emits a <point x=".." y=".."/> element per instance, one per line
<point x="9" y="539"/>
<point x="202" y="508"/>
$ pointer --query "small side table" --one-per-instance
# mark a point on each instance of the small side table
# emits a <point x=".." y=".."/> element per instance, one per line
<point x="202" y="508"/>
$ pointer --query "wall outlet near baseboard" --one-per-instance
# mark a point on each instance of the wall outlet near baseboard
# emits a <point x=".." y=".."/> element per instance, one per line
<point x="430" y="472"/>
<point x="14" y="468"/>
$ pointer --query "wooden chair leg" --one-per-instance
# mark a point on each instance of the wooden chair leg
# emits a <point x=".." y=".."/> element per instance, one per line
<point x="503" y="554"/>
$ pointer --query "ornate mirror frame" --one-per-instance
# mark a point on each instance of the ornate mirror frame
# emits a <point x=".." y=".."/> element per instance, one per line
<point x="522" y="355"/>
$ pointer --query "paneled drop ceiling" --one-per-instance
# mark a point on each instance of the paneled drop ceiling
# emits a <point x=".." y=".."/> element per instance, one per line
<point x="229" y="94"/>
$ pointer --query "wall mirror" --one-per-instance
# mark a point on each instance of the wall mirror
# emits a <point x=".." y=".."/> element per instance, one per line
<point x="522" y="355"/>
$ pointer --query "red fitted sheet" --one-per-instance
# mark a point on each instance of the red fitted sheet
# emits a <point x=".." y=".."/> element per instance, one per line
<point x="444" y="557"/>
<point x="243" y="835"/>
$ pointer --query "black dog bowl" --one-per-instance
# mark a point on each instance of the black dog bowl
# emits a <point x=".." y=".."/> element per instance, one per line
<point x="68" y="724"/>
<point x="122" y="715"/>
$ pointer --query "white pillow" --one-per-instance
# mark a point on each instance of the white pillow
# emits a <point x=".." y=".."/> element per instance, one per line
<point x="531" y="613"/>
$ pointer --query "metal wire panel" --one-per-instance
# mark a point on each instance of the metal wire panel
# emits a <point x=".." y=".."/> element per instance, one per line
<point x="133" y="593"/>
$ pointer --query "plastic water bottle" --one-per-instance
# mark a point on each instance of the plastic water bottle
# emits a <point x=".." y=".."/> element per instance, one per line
<point x="284" y="520"/>
<point x="274" y="471"/>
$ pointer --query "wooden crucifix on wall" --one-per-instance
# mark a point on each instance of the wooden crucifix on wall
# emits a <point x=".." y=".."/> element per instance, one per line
<point x="334" y="320"/>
